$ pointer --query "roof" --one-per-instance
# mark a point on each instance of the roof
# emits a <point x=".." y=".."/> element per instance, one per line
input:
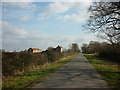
<point x="35" y="48"/>
<point x="50" y="48"/>
<point x="59" y="46"/>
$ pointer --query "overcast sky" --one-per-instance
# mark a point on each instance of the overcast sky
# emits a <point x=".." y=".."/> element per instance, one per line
<point x="43" y="24"/>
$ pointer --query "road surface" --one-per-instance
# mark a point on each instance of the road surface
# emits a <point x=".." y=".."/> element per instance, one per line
<point x="78" y="73"/>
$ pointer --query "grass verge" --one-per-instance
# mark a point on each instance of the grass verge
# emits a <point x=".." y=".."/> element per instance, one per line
<point x="109" y="70"/>
<point x="27" y="80"/>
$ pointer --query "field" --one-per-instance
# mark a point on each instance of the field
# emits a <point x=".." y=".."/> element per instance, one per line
<point x="109" y="70"/>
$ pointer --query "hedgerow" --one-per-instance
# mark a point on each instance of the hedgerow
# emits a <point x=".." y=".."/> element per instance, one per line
<point x="19" y="62"/>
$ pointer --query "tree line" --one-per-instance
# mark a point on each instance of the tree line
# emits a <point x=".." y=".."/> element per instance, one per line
<point x="102" y="49"/>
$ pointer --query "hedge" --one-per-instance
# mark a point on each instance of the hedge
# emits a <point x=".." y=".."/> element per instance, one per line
<point x="19" y="62"/>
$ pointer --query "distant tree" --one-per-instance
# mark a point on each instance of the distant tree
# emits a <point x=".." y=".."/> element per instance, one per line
<point x="94" y="46"/>
<point x="84" y="48"/>
<point x="75" y="47"/>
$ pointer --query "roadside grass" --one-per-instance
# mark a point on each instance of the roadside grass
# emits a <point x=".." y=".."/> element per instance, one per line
<point x="109" y="70"/>
<point x="27" y="80"/>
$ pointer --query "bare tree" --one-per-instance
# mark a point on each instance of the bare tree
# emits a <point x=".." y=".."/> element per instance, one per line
<point x="105" y="19"/>
<point x="75" y="47"/>
<point x="85" y="48"/>
<point x="94" y="46"/>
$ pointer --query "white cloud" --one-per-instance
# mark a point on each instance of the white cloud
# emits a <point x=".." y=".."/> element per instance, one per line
<point x="75" y="17"/>
<point x="16" y="37"/>
<point x="56" y="9"/>
<point x="23" y="5"/>
<point x="24" y="18"/>
<point x="43" y="16"/>
<point x="81" y="6"/>
<point x="0" y="35"/>
<point x="48" y="0"/>
<point x="9" y="30"/>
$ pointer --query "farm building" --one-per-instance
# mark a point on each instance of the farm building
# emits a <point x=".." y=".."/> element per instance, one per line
<point x="50" y="49"/>
<point x="57" y="49"/>
<point x="34" y="50"/>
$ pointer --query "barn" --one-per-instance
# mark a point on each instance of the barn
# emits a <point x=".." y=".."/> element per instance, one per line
<point x="34" y="50"/>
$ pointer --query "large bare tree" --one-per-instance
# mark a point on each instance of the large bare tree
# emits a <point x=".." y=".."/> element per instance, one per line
<point x="105" y="19"/>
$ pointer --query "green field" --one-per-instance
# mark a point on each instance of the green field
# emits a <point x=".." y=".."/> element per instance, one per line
<point x="31" y="78"/>
<point x="109" y="70"/>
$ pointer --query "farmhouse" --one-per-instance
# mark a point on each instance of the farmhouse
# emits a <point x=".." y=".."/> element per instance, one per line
<point x="57" y="49"/>
<point x="34" y="50"/>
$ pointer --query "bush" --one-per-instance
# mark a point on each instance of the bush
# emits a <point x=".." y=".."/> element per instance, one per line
<point x="19" y="62"/>
<point x="108" y="52"/>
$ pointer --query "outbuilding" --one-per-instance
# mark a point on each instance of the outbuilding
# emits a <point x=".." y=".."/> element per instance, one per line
<point x="34" y="50"/>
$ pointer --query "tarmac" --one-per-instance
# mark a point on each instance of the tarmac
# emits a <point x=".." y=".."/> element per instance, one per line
<point x="77" y="73"/>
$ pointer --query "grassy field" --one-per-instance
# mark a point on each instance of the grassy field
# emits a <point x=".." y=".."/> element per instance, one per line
<point x="109" y="70"/>
<point x="31" y="78"/>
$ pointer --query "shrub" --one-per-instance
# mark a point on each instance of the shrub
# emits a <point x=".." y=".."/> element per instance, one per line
<point x="19" y="62"/>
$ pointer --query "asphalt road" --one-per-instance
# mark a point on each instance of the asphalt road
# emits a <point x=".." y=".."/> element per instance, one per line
<point x="78" y="73"/>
